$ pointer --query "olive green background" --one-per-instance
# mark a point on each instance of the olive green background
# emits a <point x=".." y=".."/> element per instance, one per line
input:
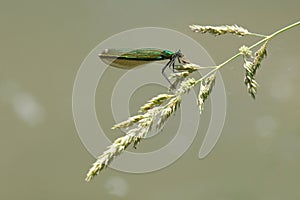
<point x="42" y="46"/>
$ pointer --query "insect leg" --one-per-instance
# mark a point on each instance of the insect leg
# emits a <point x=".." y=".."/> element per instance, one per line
<point x="163" y="71"/>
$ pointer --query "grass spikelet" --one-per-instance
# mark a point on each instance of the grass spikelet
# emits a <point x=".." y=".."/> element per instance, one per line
<point x="131" y="120"/>
<point x="251" y="68"/>
<point x="220" y="30"/>
<point x="155" y="101"/>
<point x="168" y="109"/>
<point x="206" y="87"/>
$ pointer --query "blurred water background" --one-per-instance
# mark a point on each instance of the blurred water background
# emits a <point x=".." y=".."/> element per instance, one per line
<point x="42" y="46"/>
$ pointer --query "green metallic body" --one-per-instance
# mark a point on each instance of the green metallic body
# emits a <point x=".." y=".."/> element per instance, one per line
<point x="147" y="54"/>
<point x="129" y="58"/>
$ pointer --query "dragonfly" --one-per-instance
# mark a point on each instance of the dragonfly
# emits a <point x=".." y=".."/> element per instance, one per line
<point x="131" y="58"/>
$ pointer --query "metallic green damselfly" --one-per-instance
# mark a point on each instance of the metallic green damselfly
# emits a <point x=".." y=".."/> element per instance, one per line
<point x="128" y="58"/>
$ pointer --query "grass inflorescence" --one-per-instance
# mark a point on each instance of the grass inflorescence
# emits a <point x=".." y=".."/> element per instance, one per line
<point x="160" y="108"/>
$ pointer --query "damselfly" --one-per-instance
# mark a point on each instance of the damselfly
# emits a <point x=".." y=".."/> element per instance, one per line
<point x="128" y="58"/>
